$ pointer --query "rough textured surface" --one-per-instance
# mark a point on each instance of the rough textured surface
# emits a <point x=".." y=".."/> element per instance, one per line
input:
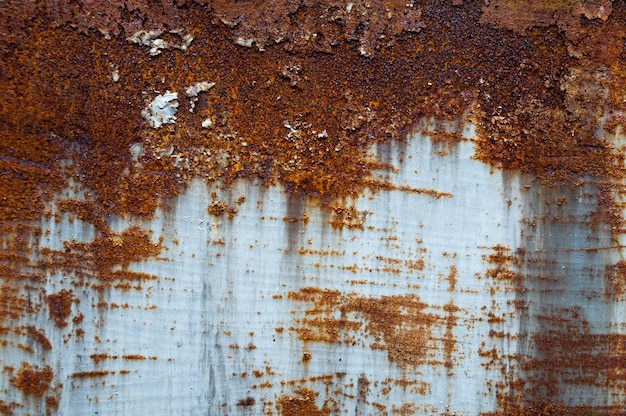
<point x="323" y="106"/>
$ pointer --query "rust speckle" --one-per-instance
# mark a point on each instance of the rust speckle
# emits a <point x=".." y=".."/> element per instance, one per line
<point x="452" y="278"/>
<point x="97" y="358"/>
<point x="504" y="263"/>
<point x="405" y="410"/>
<point x="616" y="278"/>
<point x="449" y="341"/>
<point x="12" y="304"/>
<point x="133" y="357"/>
<point x="78" y="319"/>
<point x="52" y="403"/>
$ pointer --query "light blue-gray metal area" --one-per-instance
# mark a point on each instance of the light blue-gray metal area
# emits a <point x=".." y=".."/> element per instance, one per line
<point x="234" y="321"/>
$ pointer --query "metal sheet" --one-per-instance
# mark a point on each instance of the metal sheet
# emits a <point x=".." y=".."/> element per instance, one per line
<point x="340" y="224"/>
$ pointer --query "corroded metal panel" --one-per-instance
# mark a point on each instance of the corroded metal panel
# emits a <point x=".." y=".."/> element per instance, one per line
<point x="312" y="208"/>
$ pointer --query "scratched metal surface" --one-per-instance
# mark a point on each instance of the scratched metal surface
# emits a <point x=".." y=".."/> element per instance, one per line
<point x="223" y="328"/>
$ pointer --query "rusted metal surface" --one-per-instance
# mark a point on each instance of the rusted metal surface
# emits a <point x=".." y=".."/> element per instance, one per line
<point x="312" y="208"/>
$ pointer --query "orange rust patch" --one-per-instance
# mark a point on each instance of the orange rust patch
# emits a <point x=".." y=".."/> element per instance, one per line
<point x="405" y="410"/>
<point x="97" y="358"/>
<point x="99" y="257"/>
<point x="449" y="341"/>
<point x="133" y="357"/>
<point x="504" y="263"/>
<point x="448" y="139"/>
<point x="304" y="403"/>
<point x="84" y="211"/>
<point x="451" y="278"/>
<point x="396" y="324"/>
<point x="52" y="403"/>
<point x="248" y="401"/>
<point x="348" y="217"/>
<point x="32" y="380"/>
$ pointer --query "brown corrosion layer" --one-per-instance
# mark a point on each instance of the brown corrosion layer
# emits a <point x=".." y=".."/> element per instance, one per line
<point x="603" y="355"/>
<point x="565" y="350"/>
<point x="537" y="97"/>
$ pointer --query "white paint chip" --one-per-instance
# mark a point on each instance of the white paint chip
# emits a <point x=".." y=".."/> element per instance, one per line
<point x="151" y="39"/>
<point x="197" y="88"/>
<point x="244" y="42"/>
<point x="161" y="110"/>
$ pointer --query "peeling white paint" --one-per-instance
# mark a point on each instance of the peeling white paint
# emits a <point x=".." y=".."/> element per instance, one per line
<point x="151" y="39"/>
<point x="244" y="42"/>
<point x="162" y="110"/>
<point x="198" y="87"/>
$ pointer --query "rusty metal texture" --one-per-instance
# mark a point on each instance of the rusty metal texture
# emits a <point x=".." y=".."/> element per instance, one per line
<point x="312" y="208"/>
